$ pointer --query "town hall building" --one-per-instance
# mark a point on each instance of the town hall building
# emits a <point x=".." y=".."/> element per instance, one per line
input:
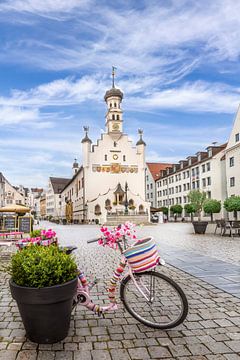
<point x="109" y="186"/>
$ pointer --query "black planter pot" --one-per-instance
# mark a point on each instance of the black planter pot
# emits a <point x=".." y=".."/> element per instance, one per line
<point x="45" y="312"/>
<point x="200" y="226"/>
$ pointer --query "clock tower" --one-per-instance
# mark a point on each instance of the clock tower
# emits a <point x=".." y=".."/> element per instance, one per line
<point x="113" y="98"/>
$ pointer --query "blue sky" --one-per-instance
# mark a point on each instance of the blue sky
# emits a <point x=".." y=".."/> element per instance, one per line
<point x="177" y="64"/>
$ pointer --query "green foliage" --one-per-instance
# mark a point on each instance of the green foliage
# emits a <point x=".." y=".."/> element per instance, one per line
<point x="190" y="208"/>
<point x="176" y="209"/>
<point x="41" y="266"/>
<point x="164" y="210"/>
<point x="197" y="198"/>
<point x="212" y="206"/>
<point x="35" y="233"/>
<point x="232" y="203"/>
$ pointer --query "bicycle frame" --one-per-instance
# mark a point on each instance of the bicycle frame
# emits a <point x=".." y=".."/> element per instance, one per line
<point x="83" y="289"/>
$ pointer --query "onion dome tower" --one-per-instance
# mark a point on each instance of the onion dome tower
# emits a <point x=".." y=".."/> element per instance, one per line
<point x="113" y="99"/>
<point x="75" y="167"/>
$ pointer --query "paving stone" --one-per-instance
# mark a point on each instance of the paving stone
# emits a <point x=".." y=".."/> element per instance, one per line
<point x="82" y="355"/>
<point x="100" y="345"/>
<point x="232" y="356"/>
<point x="234" y="345"/>
<point x="46" y="355"/>
<point x="218" y="347"/>
<point x="119" y="354"/>
<point x="27" y="355"/>
<point x="63" y="355"/>
<point x="100" y="354"/>
<point x="8" y="355"/>
<point x="198" y="349"/>
<point x="158" y="352"/>
<point x="179" y="350"/>
<point x="139" y="353"/>
<point x="15" y="346"/>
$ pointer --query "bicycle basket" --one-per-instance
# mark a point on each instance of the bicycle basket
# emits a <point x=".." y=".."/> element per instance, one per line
<point x="143" y="255"/>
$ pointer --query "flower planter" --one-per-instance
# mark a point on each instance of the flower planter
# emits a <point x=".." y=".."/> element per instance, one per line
<point x="200" y="226"/>
<point x="46" y="311"/>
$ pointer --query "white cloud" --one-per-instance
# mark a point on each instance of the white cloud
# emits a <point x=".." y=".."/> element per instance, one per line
<point x="198" y="96"/>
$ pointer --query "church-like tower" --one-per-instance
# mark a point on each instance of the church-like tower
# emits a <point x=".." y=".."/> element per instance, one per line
<point x="113" y="98"/>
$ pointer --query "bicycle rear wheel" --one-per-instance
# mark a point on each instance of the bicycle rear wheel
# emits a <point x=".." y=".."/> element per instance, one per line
<point x="157" y="301"/>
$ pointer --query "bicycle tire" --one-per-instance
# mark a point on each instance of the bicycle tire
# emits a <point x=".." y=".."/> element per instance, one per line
<point x="171" y="288"/>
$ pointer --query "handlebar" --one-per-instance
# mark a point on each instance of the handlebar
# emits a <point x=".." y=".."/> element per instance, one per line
<point x="92" y="241"/>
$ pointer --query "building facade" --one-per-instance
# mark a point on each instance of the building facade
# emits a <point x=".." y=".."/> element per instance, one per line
<point x="200" y="172"/>
<point x="232" y="160"/>
<point x="153" y="172"/>
<point x="111" y="180"/>
<point x="9" y="195"/>
<point x="53" y="196"/>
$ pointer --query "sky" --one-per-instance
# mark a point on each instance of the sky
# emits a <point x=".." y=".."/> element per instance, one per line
<point x="177" y="65"/>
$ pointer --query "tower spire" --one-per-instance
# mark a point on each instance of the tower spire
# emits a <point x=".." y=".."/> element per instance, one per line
<point x="113" y="76"/>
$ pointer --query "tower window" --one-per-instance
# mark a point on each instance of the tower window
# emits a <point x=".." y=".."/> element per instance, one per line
<point x="115" y="105"/>
<point x="113" y="116"/>
<point x="110" y="104"/>
<point x="124" y="157"/>
<point x="105" y="157"/>
<point x="117" y="117"/>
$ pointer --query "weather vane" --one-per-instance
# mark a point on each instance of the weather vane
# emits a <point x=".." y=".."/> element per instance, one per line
<point x="113" y="75"/>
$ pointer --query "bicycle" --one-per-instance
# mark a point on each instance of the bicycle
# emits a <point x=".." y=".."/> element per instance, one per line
<point x="150" y="297"/>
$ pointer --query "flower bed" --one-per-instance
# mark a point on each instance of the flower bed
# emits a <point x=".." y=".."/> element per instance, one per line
<point x="39" y="237"/>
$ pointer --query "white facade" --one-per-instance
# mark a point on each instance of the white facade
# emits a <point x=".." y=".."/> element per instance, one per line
<point x="204" y="171"/>
<point x="232" y="158"/>
<point x="53" y="197"/>
<point x="9" y="195"/>
<point x="111" y="165"/>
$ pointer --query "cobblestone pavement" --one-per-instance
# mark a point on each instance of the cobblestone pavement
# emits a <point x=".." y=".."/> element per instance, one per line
<point x="211" y="330"/>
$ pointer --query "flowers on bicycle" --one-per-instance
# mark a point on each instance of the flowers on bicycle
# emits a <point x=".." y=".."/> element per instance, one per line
<point x="111" y="236"/>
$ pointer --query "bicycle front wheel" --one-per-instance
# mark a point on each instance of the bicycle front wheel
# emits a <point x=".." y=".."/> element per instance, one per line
<point x="154" y="299"/>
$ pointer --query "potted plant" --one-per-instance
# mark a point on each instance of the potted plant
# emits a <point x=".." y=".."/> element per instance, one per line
<point x="232" y="204"/>
<point x="43" y="283"/>
<point x="197" y="199"/>
<point x="212" y="206"/>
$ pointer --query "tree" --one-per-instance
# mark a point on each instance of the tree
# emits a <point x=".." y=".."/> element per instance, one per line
<point x="232" y="204"/>
<point x="176" y="209"/>
<point x="212" y="206"/>
<point x="197" y="198"/>
<point x="164" y="210"/>
<point x="190" y="209"/>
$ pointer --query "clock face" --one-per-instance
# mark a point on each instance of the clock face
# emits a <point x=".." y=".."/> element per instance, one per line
<point x="115" y="126"/>
<point x="115" y="157"/>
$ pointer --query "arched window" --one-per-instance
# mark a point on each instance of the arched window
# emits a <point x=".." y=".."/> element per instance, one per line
<point x="118" y="117"/>
<point x="110" y="104"/>
<point x="113" y="116"/>
<point x="141" y="209"/>
<point x="115" y="105"/>
<point x="108" y="204"/>
<point x="97" y="210"/>
<point x="131" y="202"/>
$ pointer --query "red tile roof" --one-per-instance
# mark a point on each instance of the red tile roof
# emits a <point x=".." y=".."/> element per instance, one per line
<point x="156" y="168"/>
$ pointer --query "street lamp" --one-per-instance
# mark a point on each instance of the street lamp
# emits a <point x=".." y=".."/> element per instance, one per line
<point x="126" y="199"/>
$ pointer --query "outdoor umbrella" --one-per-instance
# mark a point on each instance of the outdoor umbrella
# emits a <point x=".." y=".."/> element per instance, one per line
<point x="15" y="208"/>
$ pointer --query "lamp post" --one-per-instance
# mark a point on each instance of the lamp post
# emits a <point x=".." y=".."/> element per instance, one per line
<point x="126" y="199"/>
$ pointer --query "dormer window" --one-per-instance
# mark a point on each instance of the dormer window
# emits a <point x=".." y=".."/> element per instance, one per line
<point x="189" y="161"/>
<point x="199" y="157"/>
<point x="209" y="152"/>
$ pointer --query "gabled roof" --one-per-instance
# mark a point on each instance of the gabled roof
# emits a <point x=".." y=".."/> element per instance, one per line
<point x="156" y="169"/>
<point x="58" y="184"/>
